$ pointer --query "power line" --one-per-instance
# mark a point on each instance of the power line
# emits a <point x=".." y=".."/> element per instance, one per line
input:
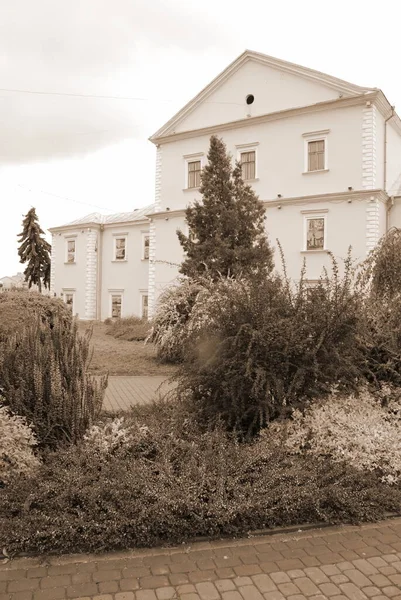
<point x="64" y="198"/>
<point x="102" y="97"/>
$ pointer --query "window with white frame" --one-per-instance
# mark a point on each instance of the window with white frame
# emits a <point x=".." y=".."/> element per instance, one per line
<point x="316" y="155"/>
<point x="145" y="246"/>
<point x="193" y="170"/>
<point x="247" y="157"/>
<point x="144" y="305"/>
<point x="315" y="231"/>
<point x="116" y="305"/>
<point x="248" y="164"/>
<point x="70" y="251"/>
<point x="120" y="248"/>
<point x="68" y="297"/>
<point x="194" y="173"/>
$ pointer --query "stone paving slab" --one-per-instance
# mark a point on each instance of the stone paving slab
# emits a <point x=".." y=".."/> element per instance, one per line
<point x="123" y="392"/>
<point x="336" y="563"/>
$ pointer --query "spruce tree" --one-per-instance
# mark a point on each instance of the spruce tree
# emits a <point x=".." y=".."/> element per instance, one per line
<point x="226" y="229"/>
<point x="35" y="251"/>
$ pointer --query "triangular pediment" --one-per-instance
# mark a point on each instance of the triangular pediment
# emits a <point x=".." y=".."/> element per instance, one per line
<point x="275" y="85"/>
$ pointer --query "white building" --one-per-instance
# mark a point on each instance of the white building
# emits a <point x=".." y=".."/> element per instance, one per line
<point x="323" y="154"/>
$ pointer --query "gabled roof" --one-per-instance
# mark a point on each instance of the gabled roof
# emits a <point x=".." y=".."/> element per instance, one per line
<point x="339" y="85"/>
<point x="96" y="218"/>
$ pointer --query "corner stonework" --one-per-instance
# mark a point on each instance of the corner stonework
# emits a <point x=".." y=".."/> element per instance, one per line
<point x="53" y="267"/>
<point x="369" y="112"/>
<point x="369" y="147"/>
<point x="152" y="234"/>
<point x="91" y="275"/>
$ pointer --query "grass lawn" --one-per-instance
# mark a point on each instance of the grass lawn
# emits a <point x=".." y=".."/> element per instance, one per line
<point x="121" y="357"/>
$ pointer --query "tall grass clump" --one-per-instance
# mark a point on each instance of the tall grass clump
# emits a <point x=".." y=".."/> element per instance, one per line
<point x="43" y="377"/>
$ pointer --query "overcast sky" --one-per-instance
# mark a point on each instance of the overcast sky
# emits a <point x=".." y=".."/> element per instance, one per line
<point x="68" y="152"/>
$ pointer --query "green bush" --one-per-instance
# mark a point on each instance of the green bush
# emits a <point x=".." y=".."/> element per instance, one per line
<point x="43" y="377"/>
<point x="131" y="329"/>
<point x="171" y="481"/>
<point x="357" y="430"/>
<point x="256" y="349"/>
<point x="169" y="325"/>
<point x="16" y="447"/>
<point x="18" y="308"/>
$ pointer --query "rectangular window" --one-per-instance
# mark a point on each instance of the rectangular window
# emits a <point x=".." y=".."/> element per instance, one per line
<point x="120" y="248"/>
<point x="145" y="247"/>
<point x="69" y="300"/>
<point x="70" y="251"/>
<point x="315" y="233"/>
<point x="248" y="165"/>
<point x="116" y="302"/>
<point x="194" y="173"/>
<point x="316" y="155"/>
<point x="145" y="306"/>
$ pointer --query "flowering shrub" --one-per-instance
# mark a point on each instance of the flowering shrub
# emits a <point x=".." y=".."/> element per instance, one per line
<point x="16" y="443"/>
<point x="174" y="480"/>
<point x="354" y="429"/>
<point x="169" y="332"/>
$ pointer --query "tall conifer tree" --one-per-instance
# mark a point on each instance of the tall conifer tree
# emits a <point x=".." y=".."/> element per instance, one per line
<point x="35" y="251"/>
<point x="226" y="229"/>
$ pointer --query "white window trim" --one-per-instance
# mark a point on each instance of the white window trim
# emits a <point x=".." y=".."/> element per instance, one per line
<point x="253" y="147"/>
<point x="145" y="235"/>
<point x="315" y="136"/>
<point x="115" y="293"/>
<point x="188" y="158"/>
<point x="70" y="238"/>
<point x="69" y="291"/>
<point x="118" y="236"/>
<point x="314" y="214"/>
<point x="142" y="293"/>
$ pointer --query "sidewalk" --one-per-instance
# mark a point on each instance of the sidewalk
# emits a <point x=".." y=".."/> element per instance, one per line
<point x="337" y="563"/>
<point x="123" y="392"/>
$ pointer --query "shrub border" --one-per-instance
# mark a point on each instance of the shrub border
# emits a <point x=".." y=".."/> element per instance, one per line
<point x="255" y="533"/>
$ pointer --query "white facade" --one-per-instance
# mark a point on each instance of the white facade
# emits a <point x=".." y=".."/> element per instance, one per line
<point x="326" y="161"/>
<point x="100" y="265"/>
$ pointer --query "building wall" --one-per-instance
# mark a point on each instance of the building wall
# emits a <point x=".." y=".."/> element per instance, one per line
<point x="71" y="277"/>
<point x="168" y="252"/>
<point x="273" y="90"/>
<point x="347" y="225"/>
<point x="280" y="157"/>
<point x="393" y="160"/>
<point x="128" y="277"/>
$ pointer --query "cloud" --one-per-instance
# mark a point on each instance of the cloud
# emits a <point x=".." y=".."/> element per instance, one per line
<point x="91" y="47"/>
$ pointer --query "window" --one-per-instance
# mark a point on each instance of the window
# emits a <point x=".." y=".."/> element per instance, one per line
<point x="70" y="251"/>
<point x="316" y="153"/>
<point x="315" y="230"/>
<point x="69" y="299"/>
<point x="194" y="173"/>
<point x="315" y="234"/>
<point x="145" y="246"/>
<point x="144" y="306"/>
<point x="116" y="304"/>
<point x="120" y="248"/>
<point x="248" y="165"/>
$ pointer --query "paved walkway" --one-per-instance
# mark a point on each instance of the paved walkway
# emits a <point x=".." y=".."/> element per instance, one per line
<point x="123" y="392"/>
<point x="337" y="563"/>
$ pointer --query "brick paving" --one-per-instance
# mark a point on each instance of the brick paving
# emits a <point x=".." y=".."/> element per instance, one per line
<point x="337" y="563"/>
<point x="123" y="392"/>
